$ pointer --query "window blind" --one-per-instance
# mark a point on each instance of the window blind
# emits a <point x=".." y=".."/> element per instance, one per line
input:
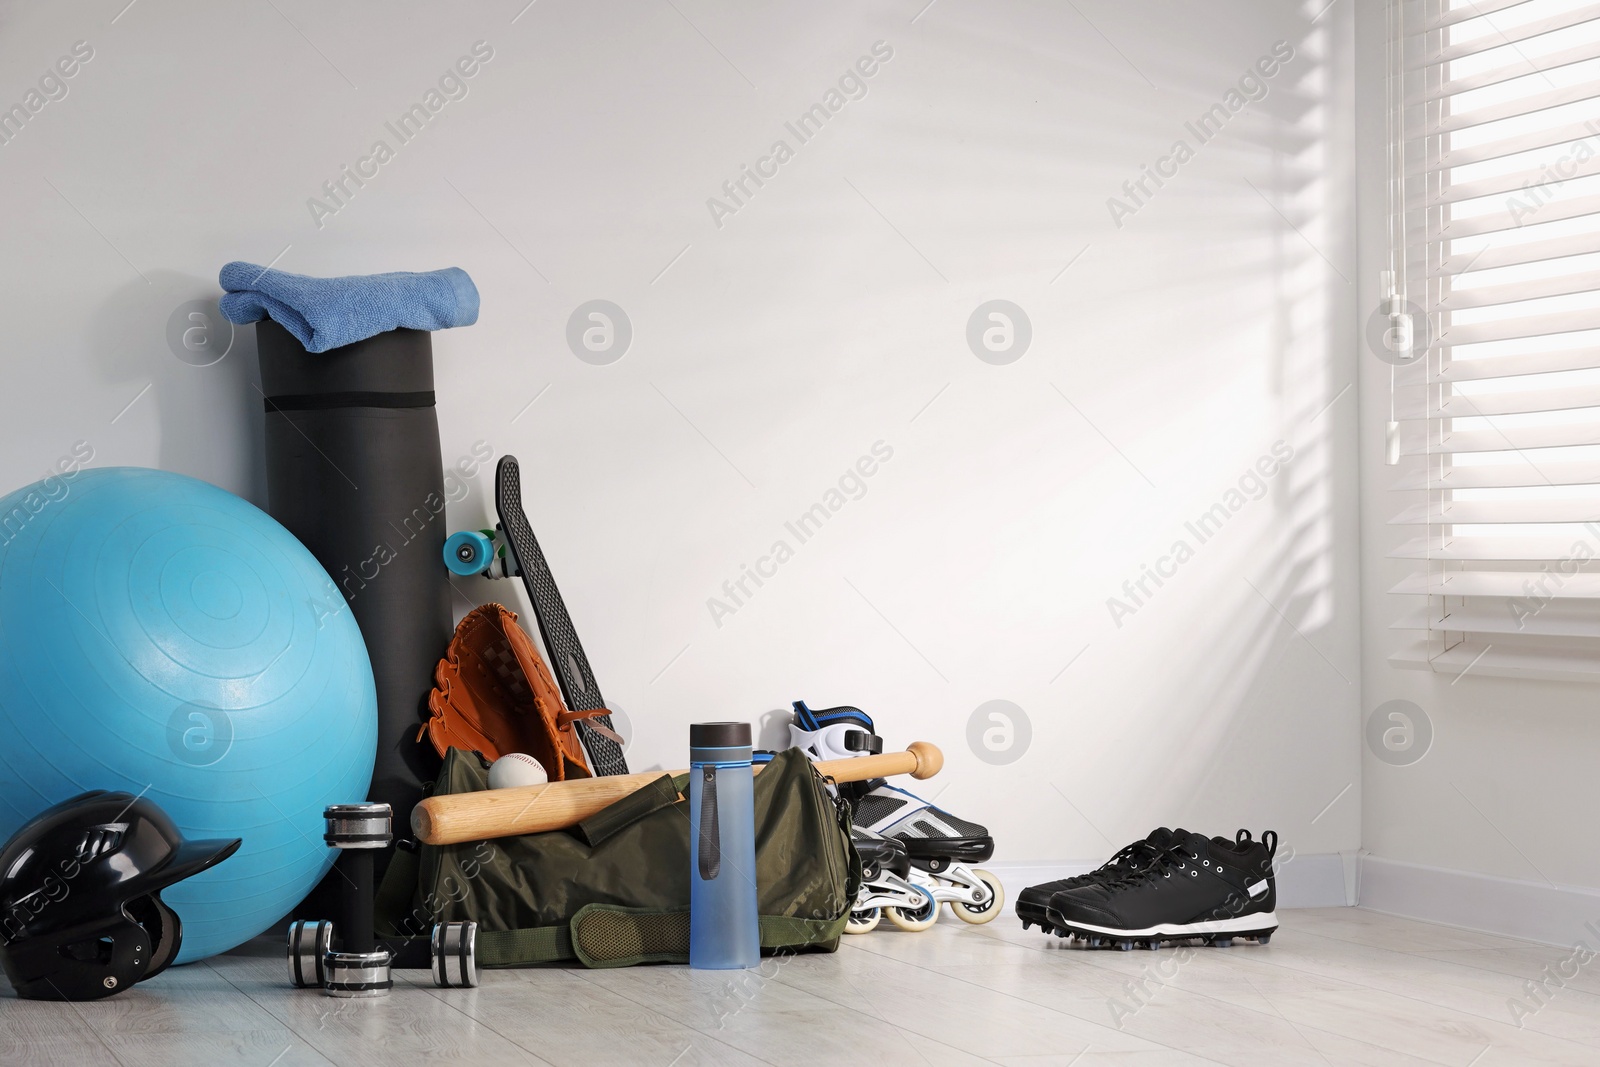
<point x="1495" y="422"/>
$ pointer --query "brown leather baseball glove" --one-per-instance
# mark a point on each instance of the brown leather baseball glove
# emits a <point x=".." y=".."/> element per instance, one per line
<point x="494" y="694"/>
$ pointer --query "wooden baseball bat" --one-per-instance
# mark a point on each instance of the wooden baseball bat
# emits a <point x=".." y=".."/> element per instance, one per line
<point x="531" y="809"/>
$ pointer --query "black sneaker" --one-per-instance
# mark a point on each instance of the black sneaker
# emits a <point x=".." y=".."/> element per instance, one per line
<point x="1033" y="902"/>
<point x="1207" y="888"/>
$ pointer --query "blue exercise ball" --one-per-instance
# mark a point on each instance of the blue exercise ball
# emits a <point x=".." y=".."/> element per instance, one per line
<point x="162" y="636"/>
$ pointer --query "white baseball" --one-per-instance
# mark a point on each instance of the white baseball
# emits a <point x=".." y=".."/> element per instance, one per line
<point x="516" y="768"/>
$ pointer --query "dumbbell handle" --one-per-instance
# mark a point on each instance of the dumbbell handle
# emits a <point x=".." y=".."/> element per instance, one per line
<point x="357" y="830"/>
<point x="359" y="888"/>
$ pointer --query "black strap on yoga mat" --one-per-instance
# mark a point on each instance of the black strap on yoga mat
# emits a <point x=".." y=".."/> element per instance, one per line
<point x="332" y="401"/>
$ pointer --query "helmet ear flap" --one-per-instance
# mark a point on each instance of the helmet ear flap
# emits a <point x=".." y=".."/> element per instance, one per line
<point x="164" y="928"/>
<point x="87" y="962"/>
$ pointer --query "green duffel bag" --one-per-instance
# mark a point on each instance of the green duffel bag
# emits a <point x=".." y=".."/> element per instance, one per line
<point x="613" y="890"/>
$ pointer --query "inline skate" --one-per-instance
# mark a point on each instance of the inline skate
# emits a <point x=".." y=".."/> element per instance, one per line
<point x="941" y="847"/>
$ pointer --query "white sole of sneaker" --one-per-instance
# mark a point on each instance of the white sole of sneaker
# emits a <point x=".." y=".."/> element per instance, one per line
<point x="1262" y="922"/>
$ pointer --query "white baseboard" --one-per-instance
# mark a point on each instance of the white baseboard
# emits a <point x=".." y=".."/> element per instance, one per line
<point x="1532" y="911"/>
<point x="1304" y="881"/>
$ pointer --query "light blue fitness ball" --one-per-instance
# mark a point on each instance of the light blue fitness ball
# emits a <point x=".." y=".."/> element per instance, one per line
<point x="165" y="637"/>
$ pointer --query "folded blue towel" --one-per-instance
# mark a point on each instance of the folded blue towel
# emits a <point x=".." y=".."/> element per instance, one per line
<point x="325" y="313"/>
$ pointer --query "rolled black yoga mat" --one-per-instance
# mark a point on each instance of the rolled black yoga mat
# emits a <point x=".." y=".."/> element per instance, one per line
<point x="353" y="471"/>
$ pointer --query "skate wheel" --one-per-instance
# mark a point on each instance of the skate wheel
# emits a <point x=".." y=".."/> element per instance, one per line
<point x="468" y="552"/>
<point x="976" y="914"/>
<point x="921" y="918"/>
<point x="309" y="942"/>
<point x="864" y="921"/>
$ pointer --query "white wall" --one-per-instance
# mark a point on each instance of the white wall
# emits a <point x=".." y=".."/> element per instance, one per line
<point x="1507" y="788"/>
<point x="1169" y="353"/>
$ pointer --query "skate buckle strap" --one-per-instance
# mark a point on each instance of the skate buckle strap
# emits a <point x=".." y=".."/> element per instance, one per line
<point x="862" y="741"/>
<point x="803" y="716"/>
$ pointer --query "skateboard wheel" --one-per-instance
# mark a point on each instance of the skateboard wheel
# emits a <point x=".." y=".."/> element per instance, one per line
<point x="468" y="552"/>
<point x="309" y="942"/>
<point x="357" y="974"/>
<point x="455" y="955"/>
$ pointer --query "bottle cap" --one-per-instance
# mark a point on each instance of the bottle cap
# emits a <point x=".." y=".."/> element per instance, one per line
<point x="719" y="735"/>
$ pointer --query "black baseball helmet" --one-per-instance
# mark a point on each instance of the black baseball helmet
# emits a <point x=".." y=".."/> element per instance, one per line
<point x="81" y="915"/>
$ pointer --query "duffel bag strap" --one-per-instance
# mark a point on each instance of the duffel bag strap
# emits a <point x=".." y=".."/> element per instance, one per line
<point x="661" y="793"/>
<point x="604" y="935"/>
<point x="518" y="948"/>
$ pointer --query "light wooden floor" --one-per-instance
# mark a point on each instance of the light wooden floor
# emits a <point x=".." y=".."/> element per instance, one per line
<point x="1337" y="986"/>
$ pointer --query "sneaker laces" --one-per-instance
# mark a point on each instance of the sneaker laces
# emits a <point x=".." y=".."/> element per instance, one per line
<point x="1132" y="857"/>
<point x="1175" y="857"/>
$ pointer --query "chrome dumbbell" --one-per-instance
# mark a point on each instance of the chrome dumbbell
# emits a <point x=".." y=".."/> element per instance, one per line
<point x="357" y="967"/>
<point x="350" y="963"/>
<point x="345" y="960"/>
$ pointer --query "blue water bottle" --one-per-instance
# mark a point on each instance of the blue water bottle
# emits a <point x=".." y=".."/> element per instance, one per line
<point x="724" y="930"/>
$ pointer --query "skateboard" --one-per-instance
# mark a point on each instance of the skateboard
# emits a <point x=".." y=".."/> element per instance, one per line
<point x="511" y="551"/>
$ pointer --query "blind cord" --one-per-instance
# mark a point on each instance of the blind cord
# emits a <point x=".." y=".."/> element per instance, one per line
<point x="1397" y="337"/>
